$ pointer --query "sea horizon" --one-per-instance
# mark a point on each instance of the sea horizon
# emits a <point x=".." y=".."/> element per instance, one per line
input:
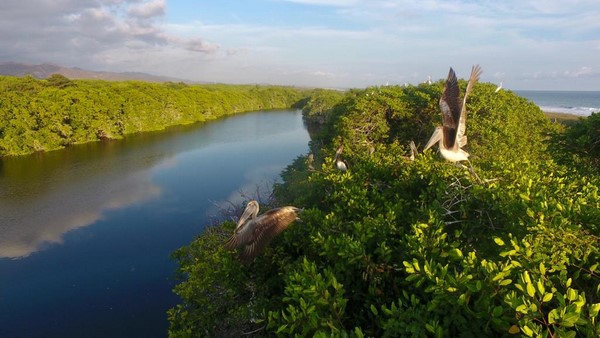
<point x="574" y="102"/>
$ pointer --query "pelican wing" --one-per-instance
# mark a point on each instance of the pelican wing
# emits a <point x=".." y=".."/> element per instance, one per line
<point x="460" y="135"/>
<point x="268" y="225"/>
<point x="435" y="138"/>
<point x="450" y="107"/>
<point x="242" y="235"/>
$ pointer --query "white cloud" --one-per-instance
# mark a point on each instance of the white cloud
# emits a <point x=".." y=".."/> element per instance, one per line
<point x="360" y="42"/>
<point x="148" y="9"/>
<point x="336" y="3"/>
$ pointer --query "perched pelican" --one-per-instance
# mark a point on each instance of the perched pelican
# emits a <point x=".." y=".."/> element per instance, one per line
<point x="499" y="87"/>
<point x="413" y="152"/>
<point x="451" y="136"/>
<point x="339" y="163"/>
<point x="309" y="161"/>
<point x="253" y="233"/>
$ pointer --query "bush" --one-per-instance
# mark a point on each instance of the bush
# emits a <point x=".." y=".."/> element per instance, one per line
<point x="394" y="247"/>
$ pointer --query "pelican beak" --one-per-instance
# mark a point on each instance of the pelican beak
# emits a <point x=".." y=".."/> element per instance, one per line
<point x="435" y="138"/>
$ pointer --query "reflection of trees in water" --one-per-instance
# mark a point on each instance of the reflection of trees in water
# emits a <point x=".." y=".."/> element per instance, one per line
<point x="45" y="195"/>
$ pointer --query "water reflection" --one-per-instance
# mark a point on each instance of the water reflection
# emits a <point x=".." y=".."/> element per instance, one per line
<point x="44" y="196"/>
<point x="34" y="223"/>
<point x="103" y="220"/>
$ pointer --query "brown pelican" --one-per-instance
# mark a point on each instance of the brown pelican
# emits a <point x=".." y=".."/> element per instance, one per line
<point x="253" y="233"/>
<point x="310" y="160"/>
<point x="339" y="163"/>
<point x="413" y="152"/>
<point x="451" y="136"/>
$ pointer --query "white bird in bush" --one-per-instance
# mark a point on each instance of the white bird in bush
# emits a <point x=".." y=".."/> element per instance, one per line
<point x="339" y="163"/>
<point x="498" y="88"/>
<point x="253" y="233"/>
<point x="451" y="136"/>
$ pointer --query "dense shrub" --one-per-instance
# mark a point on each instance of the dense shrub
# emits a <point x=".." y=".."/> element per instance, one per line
<point x="394" y="247"/>
<point x="42" y="115"/>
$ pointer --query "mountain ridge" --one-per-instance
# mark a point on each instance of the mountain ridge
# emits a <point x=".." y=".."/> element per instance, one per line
<point x="45" y="70"/>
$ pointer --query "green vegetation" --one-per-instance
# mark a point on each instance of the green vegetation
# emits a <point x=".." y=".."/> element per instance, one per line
<point x="563" y="118"/>
<point x="43" y="115"/>
<point x="394" y="247"/>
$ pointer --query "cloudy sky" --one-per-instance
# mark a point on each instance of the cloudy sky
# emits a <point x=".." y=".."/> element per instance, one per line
<point x="527" y="44"/>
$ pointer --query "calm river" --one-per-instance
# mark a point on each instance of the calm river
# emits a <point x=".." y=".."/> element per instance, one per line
<point x="86" y="232"/>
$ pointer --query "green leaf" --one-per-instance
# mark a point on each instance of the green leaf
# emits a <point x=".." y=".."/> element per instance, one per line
<point x="527" y="331"/>
<point x="514" y="329"/>
<point x="569" y="319"/>
<point x="571" y="294"/>
<point x="547" y="297"/>
<point x="530" y="213"/>
<point x="499" y="241"/>
<point x="540" y="286"/>
<point x="526" y="277"/>
<point x="530" y="290"/>
<point x="281" y="328"/>
<point x="594" y="309"/>
<point x="456" y="254"/>
<point x="553" y="316"/>
<point x="522" y="308"/>
<point x="374" y="310"/>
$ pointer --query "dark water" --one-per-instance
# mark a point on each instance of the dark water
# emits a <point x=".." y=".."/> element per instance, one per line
<point x="86" y="233"/>
<point x="571" y="102"/>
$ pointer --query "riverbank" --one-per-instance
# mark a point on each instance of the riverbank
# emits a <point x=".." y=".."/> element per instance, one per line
<point x="46" y="115"/>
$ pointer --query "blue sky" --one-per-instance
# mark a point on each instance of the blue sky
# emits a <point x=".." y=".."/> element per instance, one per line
<point x="526" y="44"/>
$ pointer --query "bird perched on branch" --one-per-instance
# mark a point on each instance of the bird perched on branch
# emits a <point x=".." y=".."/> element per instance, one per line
<point x="413" y="152"/>
<point x="499" y="88"/>
<point x="253" y="233"/>
<point x="339" y="163"/>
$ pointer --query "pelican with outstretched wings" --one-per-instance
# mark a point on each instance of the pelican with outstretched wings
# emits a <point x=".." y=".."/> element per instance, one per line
<point x="253" y="233"/>
<point x="451" y="136"/>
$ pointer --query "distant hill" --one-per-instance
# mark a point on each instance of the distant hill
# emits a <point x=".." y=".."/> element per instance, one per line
<point x="45" y="70"/>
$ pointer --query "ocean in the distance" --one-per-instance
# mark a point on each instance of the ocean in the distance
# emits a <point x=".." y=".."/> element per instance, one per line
<point x="581" y="103"/>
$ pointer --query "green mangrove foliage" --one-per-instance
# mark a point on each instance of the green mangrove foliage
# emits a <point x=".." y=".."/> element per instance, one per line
<point x="580" y="144"/>
<point x="394" y="247"/>
<point x="43" y="115"/>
